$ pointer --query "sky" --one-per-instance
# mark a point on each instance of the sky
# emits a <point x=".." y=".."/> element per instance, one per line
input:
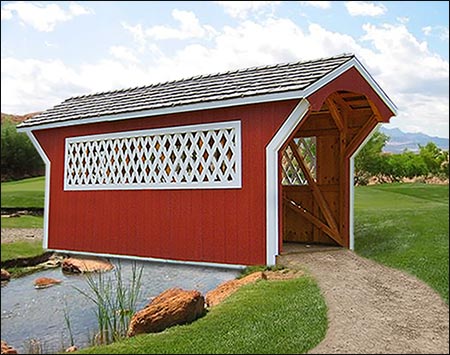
<point x="52" y="50"/>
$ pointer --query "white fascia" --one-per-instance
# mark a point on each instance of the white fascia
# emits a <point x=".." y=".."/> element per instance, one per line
<point x="47" y="186"/>
<point x="272" y="180"/>
<point x="352" y="188"/>
<point x="343" y="68"/>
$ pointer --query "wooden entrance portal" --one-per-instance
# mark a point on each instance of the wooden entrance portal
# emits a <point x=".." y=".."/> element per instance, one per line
<point x="316" y="169"/>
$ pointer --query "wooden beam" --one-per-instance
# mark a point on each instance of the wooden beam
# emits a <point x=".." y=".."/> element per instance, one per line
<point x="313" y="219"/>
<point x="341" y="102"/>
<point x="317" y="132"/>
<point x="360" y="136"/>
<point x="335" y="114"/>
<point x="317" y="193"/>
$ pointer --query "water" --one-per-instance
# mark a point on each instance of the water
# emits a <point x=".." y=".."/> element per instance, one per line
<point x="29" y="313"/>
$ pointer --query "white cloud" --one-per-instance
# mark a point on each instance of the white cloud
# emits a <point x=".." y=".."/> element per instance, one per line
<point x="403" y="19"/>
<point x="427" y="30"/>
<point x="243" y="9"/>
<point x="415" y="78"/>
<point x="77" y="10"/>
<point x="319" y="4"/>
<point x="443" y="35"/>
<point x="6" y="14"/>
<point x="438" y="31"/>
<point x="403" y="63"/>
<point x="422" y="113"/>
<point x="189" y="27"/>
<point x="123" y="53"/>
<point x="43" y="18"/>
<point x="32" y="85"/>
<point x="362" y="8"/>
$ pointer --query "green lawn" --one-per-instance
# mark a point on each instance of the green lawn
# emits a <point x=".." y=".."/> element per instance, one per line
<point x="406" y="226"/>
<point x="268" y="317"/>
<point x="23" y="222"/>
<point x="23" y="193"/>
<point x="23" y="249"/>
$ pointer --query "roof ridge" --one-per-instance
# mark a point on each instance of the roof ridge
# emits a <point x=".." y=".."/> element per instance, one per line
<point x="201" y="76"/>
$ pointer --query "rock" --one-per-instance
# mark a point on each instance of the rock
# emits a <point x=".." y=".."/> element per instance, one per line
<point x="71" y="349"/>
<point x="284" y="274"/>
<point x="6" y="349"/>
<point x="173" y="306"/>
<point x="5" y="275"/>
<point x="81" y="265"/>
<point x="224" y="290"/>
<point x="44" y="282"/>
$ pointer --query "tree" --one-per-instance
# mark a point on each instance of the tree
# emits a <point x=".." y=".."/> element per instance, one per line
<point x="19" y="158"/>
<point x="434" y="158"/>
<point x="369" y="160"/>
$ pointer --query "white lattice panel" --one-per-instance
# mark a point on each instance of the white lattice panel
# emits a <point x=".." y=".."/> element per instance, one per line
<point x="291" y="172"/>
<point x="198" y="156"/>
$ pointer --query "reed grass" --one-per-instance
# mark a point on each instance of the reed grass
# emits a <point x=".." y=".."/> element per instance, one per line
<point x="115" y="302"/>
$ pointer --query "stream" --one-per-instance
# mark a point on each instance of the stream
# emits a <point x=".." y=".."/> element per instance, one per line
<point x="38" y="316"/>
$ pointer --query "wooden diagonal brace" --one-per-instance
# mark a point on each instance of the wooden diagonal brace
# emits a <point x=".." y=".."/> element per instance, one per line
<point x="335" y="114"/>
<point x="317" y="193"/>
<point x="360" y="136"/>
<point x="313" y="219"/>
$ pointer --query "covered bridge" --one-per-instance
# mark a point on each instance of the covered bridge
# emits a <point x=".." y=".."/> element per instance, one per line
<point x="217" y="169"/>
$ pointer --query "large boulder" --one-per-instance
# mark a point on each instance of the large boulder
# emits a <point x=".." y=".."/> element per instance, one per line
<point x="5" y="275"/>
<point x="173" y="306"/>
<point x="86" y="264"/>
<point x="224" y="290"/>
<point x="6" y="349"/>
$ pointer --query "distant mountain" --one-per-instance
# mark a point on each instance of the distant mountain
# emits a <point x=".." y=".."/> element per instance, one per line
<point x="17" y="118"/>
<point x="399" y="140"/>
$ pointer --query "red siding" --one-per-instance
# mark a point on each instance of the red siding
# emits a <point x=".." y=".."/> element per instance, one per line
<point x="209" y="225"/>
<point x="351" y="80"/>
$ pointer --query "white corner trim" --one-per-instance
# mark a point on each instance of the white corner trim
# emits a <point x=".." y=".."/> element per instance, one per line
<point x="154" y="260"/>
<point x="272" y="203"/>
<point x="47" y="186"/>
<point x="351" y="229"/>
<point x="352" y="188"/>
<point x="354" y="62"/>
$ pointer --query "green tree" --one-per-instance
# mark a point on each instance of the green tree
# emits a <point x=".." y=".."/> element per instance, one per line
<point x="19" y="158"/>
<point x="434" y="158"/>
<point x="369" y="161"/>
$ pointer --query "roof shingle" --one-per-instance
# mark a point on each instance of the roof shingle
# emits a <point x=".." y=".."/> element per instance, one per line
<point x="242" y="83"/>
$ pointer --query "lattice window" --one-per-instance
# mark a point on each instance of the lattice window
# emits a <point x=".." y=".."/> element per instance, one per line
<point x="292" y="174"/>
<point x="198" y="156"/>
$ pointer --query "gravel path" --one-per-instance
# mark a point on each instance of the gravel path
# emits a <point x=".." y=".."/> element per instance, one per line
<point x="373" y="308"/>
<point x="15" y="234"/>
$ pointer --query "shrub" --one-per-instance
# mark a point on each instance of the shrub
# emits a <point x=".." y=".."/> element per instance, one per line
<point x="19" y="158"/>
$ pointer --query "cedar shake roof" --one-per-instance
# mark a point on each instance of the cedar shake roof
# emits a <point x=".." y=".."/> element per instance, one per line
<point x="238" y="84"/>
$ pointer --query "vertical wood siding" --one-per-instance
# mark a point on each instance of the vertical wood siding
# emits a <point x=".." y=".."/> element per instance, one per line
<point x="205" y="225"/>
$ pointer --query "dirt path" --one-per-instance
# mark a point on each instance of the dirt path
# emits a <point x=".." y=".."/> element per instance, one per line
<point x="373" y="308"/>
<point x="15" y="234"/>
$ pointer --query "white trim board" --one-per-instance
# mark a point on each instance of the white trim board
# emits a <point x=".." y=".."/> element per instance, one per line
<point x="47" y="186"/>
<point x="288" y="95"/>
<point x="272" y="180"/>
<point x="352" y="188"/>
<point x="155" y="260"/>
